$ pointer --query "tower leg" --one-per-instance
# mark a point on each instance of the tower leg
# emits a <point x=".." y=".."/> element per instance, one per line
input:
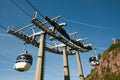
<point x="39" y="74"/>
<point x="66" y="65"/>
<point x="80" y="70"/>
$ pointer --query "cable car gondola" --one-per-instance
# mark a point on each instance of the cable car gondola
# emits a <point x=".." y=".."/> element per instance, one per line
<point x="94" y="61"/>
<point x="23" y="62"/>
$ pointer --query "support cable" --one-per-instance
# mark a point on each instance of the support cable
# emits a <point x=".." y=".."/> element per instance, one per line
<point x="21" y="8"/>
<point x="35" y="8"/>
<point x="3" y="27"/>
<point x="5" y="30"/>
<point x="24" y="49"/>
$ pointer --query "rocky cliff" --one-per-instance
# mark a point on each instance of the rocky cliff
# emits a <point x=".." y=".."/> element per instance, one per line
<point x="109" y="68"/>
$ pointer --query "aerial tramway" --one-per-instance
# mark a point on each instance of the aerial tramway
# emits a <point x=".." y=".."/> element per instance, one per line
<point x="94" y="60"/>
<point x="23" y="61"/>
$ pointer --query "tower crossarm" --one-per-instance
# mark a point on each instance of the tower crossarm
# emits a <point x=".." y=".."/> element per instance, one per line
<point x="33" y="42"/>
<point x="48" y="31"/>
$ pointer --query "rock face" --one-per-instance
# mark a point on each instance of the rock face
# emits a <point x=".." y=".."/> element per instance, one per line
<point x="109" y="68"/>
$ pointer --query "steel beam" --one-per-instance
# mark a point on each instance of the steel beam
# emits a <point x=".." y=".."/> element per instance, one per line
<point x="34" y="42"/>
<point x="60" y="38"/>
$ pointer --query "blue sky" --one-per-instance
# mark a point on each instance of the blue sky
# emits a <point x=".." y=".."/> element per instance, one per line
<point x="97" y="20"/>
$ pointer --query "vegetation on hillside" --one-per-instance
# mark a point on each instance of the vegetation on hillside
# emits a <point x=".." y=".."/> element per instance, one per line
<point x="112" y="47"/>
<point x="109" y="70"/>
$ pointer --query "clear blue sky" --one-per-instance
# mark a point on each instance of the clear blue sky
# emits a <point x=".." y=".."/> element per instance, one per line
<point x="97" y="20"/>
